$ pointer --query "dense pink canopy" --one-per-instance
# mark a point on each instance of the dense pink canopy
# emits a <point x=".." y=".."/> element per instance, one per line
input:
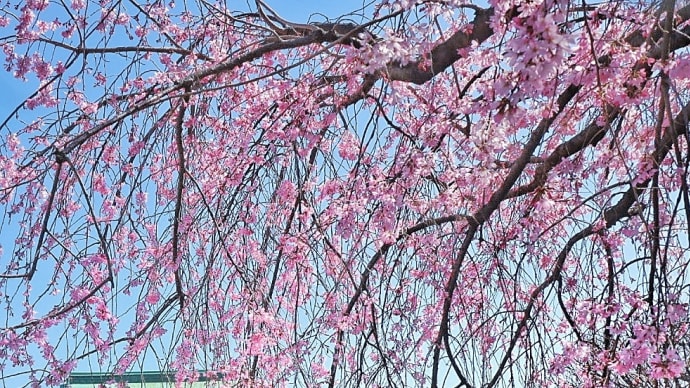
<point x="430" y="193"/>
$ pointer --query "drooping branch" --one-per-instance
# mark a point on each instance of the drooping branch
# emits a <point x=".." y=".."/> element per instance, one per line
<point x="485" y="212"/>
<point x="179" y="198"/>
<point x="611" y="216"/>
<point x="123" y="49"/>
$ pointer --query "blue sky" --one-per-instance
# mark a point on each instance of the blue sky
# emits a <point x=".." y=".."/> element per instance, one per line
<point x="301" y="10"/>
<point x="15" y="91"/>
<point x="293" y="10"/>
<point x="298" y="11"/>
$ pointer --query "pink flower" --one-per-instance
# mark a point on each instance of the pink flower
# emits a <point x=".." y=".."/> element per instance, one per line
<point x="668" y="366"/>
<point x="286" y="192"/>
<point x="626" y="362"/>
<point x="348" y="148"/>
<point x="37" y="5"/>
<point x="102" y="312"/>
<point x="153" y="296"/>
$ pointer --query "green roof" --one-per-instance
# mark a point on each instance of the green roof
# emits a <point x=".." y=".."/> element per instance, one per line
<point x="83" y="378"/>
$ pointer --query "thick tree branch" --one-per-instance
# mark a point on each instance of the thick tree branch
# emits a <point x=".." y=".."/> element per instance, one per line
<point x="445" y="54"/>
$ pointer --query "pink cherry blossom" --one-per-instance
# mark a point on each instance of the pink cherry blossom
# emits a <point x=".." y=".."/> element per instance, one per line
<point x="413" y="193"/>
